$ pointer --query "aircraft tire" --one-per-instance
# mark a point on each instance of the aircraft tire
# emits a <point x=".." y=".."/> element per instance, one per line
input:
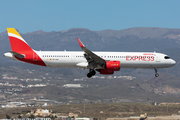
<point x="93" y="72"/>
<point x="89" y="75"/>
<point x="156" y="75"/>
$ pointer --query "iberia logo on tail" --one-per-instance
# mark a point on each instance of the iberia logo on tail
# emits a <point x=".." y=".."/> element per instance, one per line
<point x="21" y="50"/>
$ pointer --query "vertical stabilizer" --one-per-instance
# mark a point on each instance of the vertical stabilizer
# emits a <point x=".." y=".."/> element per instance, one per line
<point x="21" y="50"/>
<point x="18" y="44"/>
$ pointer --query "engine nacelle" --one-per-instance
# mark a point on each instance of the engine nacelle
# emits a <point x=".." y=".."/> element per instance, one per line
<point x="113" y="65"/>
<point x="106" y="72"/>
<point x="110" y="67"/>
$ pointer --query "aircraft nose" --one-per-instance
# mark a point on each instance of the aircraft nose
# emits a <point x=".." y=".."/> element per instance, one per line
<point x="173" y="62"/>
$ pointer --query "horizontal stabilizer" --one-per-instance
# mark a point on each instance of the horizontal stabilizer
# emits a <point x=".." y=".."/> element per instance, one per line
<point x="17" y="54"/>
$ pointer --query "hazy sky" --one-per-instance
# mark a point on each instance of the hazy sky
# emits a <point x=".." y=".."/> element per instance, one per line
<point x="57" y="15"/>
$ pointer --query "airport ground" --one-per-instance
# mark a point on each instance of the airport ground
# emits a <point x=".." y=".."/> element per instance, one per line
<point x="106" y="111"/>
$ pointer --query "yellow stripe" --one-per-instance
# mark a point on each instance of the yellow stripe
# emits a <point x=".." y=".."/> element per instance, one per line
<point x="12" y="30"/>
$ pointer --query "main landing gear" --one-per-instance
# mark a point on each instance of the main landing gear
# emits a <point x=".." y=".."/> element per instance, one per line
<point x="91" y="73"/>
<point x="156" y="74"/>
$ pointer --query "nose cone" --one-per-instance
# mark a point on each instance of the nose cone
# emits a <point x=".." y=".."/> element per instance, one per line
<point x="173" y="62"/>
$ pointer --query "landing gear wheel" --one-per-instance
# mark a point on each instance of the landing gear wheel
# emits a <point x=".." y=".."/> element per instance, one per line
<point x="91" y="73"/>
<point x="156" y="75"/>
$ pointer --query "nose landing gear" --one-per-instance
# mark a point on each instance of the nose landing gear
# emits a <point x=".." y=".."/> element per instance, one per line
<point x="156" y="74"/>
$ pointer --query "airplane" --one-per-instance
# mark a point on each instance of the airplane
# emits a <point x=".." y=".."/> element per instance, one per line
<point x="103" y="62"/>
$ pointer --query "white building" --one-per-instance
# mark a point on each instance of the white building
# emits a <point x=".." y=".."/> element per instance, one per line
<point x="72" y="86"/>
<point x="79" y="118"/>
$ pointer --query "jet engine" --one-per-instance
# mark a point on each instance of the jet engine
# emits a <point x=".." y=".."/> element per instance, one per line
<point x="110" y="67"/>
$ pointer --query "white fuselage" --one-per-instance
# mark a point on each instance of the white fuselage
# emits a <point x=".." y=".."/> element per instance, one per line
<point x="127" y="59"/>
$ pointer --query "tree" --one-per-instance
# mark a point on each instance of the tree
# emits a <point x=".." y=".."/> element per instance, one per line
<point x="19" y="116"/>
<point x="31" y="116"/>
<point x="7" y="116"/>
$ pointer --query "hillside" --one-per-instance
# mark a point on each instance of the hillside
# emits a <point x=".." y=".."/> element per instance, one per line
<point x="109" y="90"/>
<point x="144" y="87"/>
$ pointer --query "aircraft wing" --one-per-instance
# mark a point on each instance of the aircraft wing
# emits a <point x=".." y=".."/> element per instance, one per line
<point x="94" y="61"/>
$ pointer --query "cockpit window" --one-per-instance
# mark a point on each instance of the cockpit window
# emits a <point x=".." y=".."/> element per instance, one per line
<point x="166" y="57"/>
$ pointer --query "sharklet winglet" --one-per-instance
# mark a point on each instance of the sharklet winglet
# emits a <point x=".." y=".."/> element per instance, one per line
<point x="80" y="43"/>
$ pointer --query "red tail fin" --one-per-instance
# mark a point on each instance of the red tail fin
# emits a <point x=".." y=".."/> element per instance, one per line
<point x="18" y="44"/>
<point x="21" y="48"/>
